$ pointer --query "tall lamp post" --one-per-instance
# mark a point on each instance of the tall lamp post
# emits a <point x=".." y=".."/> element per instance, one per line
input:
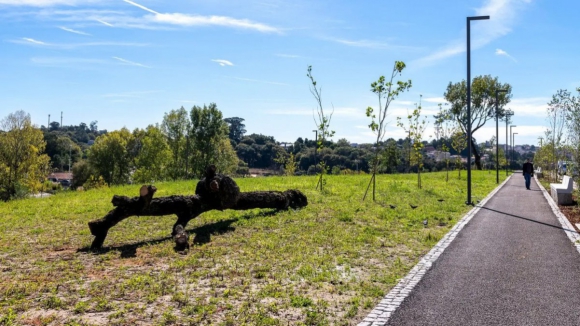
<point x="469" y="19"/>
<point x="511" y="144"/>
<point x="497" y="91"/>
<point x="507" y="119"/>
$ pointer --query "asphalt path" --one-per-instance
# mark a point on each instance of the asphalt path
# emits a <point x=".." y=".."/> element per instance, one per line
<point x="511" y="265"/>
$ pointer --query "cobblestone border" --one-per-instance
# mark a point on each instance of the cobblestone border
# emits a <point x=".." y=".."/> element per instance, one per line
<point x="380" y="315"/>
<point x="566" y="225"/>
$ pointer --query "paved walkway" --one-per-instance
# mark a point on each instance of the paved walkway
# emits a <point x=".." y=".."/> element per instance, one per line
<point x="512" y="264"/>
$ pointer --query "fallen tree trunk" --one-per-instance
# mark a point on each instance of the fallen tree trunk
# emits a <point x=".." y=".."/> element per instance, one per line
<point x="215" y="191"/>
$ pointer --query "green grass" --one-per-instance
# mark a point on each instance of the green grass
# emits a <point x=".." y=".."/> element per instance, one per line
<point x="328" y="263"/>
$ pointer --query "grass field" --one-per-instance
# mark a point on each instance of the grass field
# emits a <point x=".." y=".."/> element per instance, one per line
<point x="328" y="263"/>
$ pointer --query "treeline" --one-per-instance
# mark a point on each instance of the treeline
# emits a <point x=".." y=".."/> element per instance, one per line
<point x="180" y="147"/>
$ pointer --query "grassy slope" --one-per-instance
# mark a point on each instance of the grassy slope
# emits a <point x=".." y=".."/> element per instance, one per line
<point x="328" y="263"/>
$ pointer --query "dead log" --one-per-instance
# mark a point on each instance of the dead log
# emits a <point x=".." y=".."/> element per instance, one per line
<point x="214" y="191"/>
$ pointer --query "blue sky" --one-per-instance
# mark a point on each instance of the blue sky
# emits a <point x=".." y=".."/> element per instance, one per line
<point x="126" y="63"/>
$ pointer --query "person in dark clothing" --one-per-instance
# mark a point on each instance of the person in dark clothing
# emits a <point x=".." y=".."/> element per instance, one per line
<point x="528" y="172"/>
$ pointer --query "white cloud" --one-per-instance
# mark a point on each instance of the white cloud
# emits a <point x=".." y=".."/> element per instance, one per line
<point x="503" y="53"/>
<point x="533" y="106"/>
<point x="371" y="44"/>
<point x="181" y="19"/>
<point x="74" y="31"/>
<point x="104" y="23"/>
<point x="37" y="3"/>
<point x="435" y="100"/>
<point x="223" y="62"/>
<point x="261" y="81"/>
<point x="67" y="61"/>
<point x="292" y="56"/>
<point x="347" y="112"/>
<point x="130" y="63"/>
<point x="503" y="15"/>
<point x="30" y="40"/>
<point x="134" y="94"/>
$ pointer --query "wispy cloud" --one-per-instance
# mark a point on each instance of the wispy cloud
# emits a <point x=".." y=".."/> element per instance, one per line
<point x="502" y="52"/>
<point x="372" y="44"/>
<point x="85" y="63"/>
<point x="37" y="3"/>
<point x="503" y="15"/>
<point x="130" y="63"/>
<point x="133" y="94"/>
<point x="435" y="100"/>
<point x="292" y="56"/>
<point x="222" y="62"/>
<point x="532" y="106"/>
<point x="181" y="19"/>
<point x="260" y="81"/>
<point x="73" y="31"/>
<point x="104" y="22"/>
<point x="33" y="41"/>
<point x="30" y="41"/>
<point x="347" y="112"/>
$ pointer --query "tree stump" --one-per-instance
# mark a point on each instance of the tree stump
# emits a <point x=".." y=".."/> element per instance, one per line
<point x="214" y="191"/>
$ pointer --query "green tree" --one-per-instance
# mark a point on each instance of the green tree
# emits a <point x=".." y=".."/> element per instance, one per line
<point x="81" y="173"/>
<point x="153" y="158"/>
<point x="388" y="91"/>
<point x="443" y="131"/>
<point x="23" y="166"/>
<point x="237" y="129"/>
<point x="391" y="156"/>
<point x="209" y="142"/>
<point x="109" y="156"/>
<point x="458" y="142"/>
<point x="175" y="127"/>
<point x="417" y="125"/>
<point x="322" y="122"/>
<point x="482" y="105"/>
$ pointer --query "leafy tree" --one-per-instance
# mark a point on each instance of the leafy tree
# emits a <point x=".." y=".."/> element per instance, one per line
<point x="153" y="158"/>
<point x="237" y="128"/>
<point x="443" y="130"/>
<point x="81" y="173"/>
<point x="23" y="167"/>
<point x="482" y="105"/>
<point x="322" y="122"/>
<point x="288" y="162"/>
<point x="417" y="128"/>
<point x="109" y="156"/>
<point x="175" y="126"/>
<point x="391" y="156"/>
<point x="458" y="142"/>
<point x="207" y="134"/>
<point x="384" y="90"/>
<point x="558" y="108"/>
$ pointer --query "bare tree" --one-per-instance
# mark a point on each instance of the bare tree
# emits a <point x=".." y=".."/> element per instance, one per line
<point x="322" y="122"/>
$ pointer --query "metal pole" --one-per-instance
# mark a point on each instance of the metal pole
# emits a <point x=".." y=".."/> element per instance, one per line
<point x="469" y="19"/>
<point x="514" y="145"/>
<point x="496" y="140"/>
<point x="511" y="145"/>
<point x="507" y="118"/>
<point x="497" y="91"/>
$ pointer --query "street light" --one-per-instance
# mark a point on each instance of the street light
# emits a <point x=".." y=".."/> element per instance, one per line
<point x="469" y="19"/>
<point x="511" y="144"/>
<point x="507" y="119"/>
<point x="497" y="91"/>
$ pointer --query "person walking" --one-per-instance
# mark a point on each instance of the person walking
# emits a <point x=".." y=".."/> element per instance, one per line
<point x="528" y="172"/>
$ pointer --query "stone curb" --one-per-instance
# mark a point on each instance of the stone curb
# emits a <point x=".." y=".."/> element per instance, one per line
<point x="566" y="225"/>
<point x="380" y="315"/>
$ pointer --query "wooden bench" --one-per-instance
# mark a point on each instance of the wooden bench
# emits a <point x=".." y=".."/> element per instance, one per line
<point x="562" y="192"/>
<point x="539" y="173"/>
